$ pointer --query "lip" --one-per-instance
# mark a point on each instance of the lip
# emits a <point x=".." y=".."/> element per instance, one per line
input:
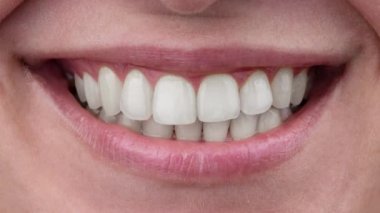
<point x="202" y="60"/>
<point x="186" y="162"/>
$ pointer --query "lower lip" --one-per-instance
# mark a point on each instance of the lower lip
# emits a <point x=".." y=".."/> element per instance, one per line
<point x="181" y="161"/>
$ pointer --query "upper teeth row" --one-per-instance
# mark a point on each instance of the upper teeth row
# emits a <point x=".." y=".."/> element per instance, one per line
<point x="174" y="101"/>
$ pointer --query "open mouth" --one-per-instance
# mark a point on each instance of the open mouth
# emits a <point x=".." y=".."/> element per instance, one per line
<point x="203" y="126"/>
<point x="213" y="108"/>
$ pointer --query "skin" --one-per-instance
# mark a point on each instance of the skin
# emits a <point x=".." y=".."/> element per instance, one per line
<point x="44" y="167"/>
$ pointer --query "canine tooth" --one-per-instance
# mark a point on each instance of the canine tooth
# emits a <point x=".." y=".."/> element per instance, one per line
<point x="216" y="131"/>
<point x="282" y="88"/>
<point x="255" y="94"/>
<point x="218" y="99"/>
<point x="190" y="132"/>
<point x="299" y="87"/>
<point x="243" y="127"/>
<point x="154" y="129"/>
<point x="285" y="113"/>
<point x="79" y="86"/>
<point x="130" y="124"/>
<point x="106" y="118"/>
<point x="91" y="91"/>
<point x="174" y="101"/>
<point x="269" y="120"/>
<point x="110" y="90"/>
<point x="136" y="96"/>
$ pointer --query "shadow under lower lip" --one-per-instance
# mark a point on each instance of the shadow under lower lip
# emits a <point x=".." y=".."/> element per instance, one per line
<point x="184" y="162"/>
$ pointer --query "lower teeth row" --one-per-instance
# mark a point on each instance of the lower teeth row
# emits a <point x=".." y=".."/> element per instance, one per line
<point x="219" y="112"/>
<point x="243" y="127"/>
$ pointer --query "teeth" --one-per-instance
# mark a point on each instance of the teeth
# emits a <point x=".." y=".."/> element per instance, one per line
<point x="299" y="88"/>
<point x="174" y="101"/>
<point x="106" y="118"/>
<point x="94" y="112"/>
<point x="269" y="120"/>
<point x="173" y="109"/>
<point x="215" y="132"/>
<point x="110" y="91"/>
<point x="154" y="129"/>
<point x="190" y="132"/>
<point x="282" y="88"/>
<point x="243" y="127"/>
<point x="130" y="124"/>
<point x="136" y="98"/>
<point x="255" y="94"/>
<point x="218" y="99"/>
<point x="285" y="113"/>
<point x="91" y="91"/>
<point x="79" y="85"/>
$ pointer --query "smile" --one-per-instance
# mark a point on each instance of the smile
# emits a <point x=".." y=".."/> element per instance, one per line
<point x="191" y="126"/>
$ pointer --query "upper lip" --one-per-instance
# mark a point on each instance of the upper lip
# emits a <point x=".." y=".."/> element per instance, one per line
<point x="202" y="60"/>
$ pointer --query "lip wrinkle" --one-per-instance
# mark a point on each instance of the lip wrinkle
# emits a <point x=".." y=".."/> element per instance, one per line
<point x="187" y="162"/>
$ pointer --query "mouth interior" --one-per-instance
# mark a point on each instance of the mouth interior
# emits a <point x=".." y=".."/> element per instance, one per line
<point x="224" y="107"/>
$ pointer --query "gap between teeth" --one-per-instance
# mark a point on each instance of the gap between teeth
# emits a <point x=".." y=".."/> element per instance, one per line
<point x="173" y="109"/>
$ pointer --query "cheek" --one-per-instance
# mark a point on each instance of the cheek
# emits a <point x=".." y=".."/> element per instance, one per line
<point x="6" y="6"/>
<point x="370" y="10"/>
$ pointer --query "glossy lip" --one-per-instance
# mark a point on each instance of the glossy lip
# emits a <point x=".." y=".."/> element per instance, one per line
<point x="180" y="161"/>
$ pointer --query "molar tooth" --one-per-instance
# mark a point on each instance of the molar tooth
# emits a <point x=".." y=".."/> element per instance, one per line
<point x="282" y="88"/>
<point x="190" y="132"/>
<point x="299" y="87"/>
<point x="110" y="91"/>
<point x="218" y="99"/>
<point x="106" y="118"/>
<point x="174" y="101"/>
<point x="136" y="96"/>
<point x="91" y="91"/>
<point x="255" y="94"/>
<point x="269" y="120"/>
<point x="216" y="131"/>
<point x="130" y="124"/>
<point x="154" y="129"/>
<point x="285" y="113"/>
<point x="243" y="127"/>
<point x="79" y="86"/>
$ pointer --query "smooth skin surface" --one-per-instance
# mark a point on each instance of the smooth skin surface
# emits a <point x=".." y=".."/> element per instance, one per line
<point x="44" y="167"/>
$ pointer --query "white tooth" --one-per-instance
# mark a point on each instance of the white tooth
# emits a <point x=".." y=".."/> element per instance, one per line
<point x="154" y="129"/>
<point x="299" y="88"/>
<point x="79" y="86"/>
<point x="282" y="88"/>
<point x="136" y="96"/>
<point x="285" y="113"/>
<point x="106" y="118"/>
<point x="215" y="132"/>
<point x="130" y="124"/>
<point x="174" y="101"/>
<point x="255" y="94"/>
<point x="243" y="127"/>
<point x="190" y="132"/>
<point x="110" y="90"/>
<point x="218" y="99"/>
<point x="269" y="120"/>
<point x="91" y="90"/>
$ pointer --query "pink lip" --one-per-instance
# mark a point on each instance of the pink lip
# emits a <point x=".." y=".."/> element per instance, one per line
<point x="187" y="162"/>
<point x="203" y="61"/>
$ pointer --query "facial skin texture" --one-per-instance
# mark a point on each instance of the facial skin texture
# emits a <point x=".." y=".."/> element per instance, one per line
<point x="45" y="167"/>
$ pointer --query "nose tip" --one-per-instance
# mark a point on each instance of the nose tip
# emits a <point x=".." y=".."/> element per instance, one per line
<point x="186" y="7"/>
